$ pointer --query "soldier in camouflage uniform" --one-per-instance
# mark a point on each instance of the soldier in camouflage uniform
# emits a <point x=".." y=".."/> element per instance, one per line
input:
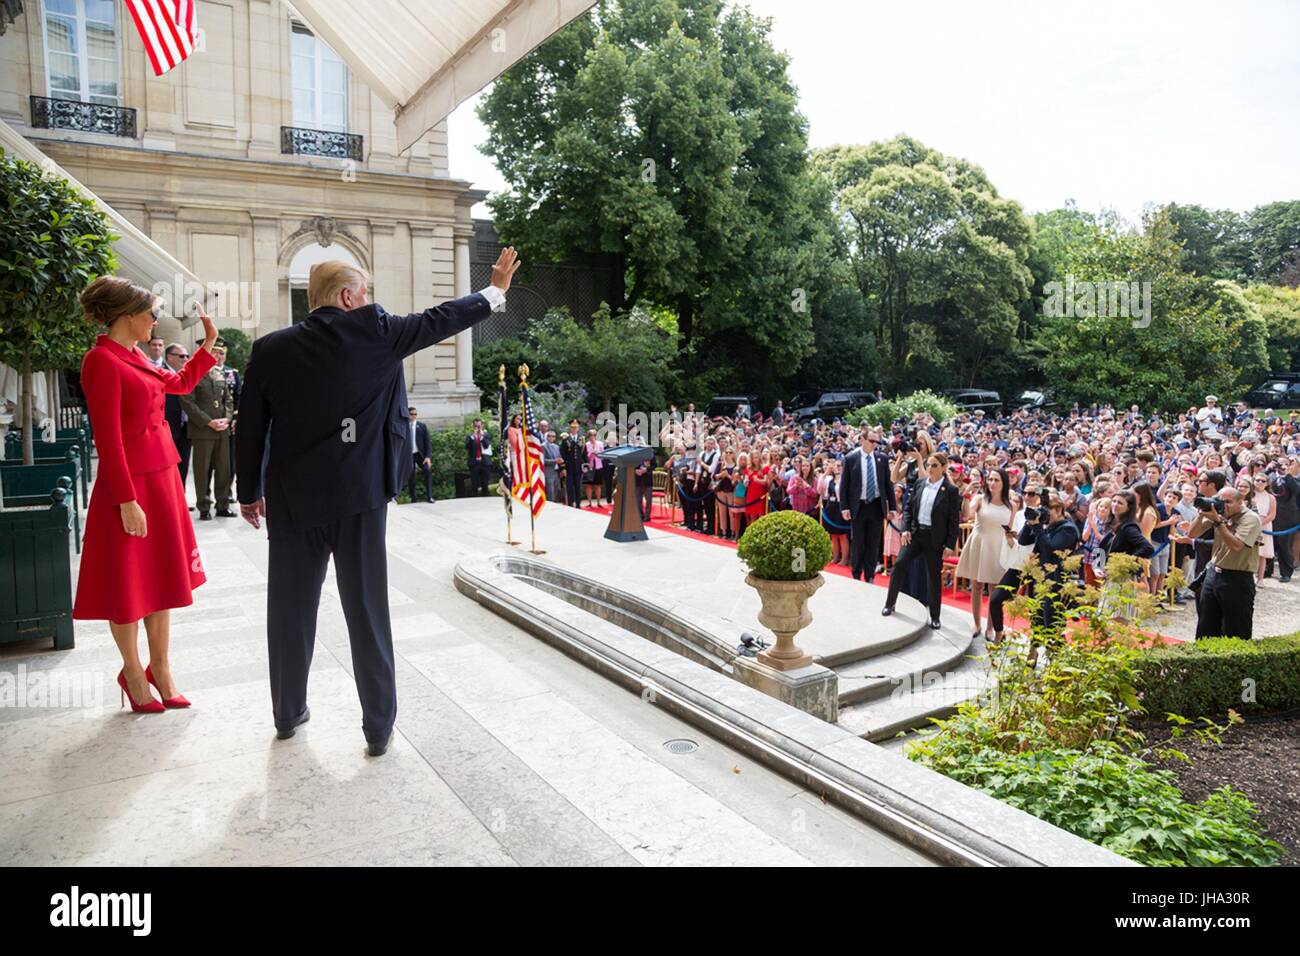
<point x="210" y="408"/>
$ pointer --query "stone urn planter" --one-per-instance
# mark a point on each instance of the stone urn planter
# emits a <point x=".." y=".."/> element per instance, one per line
<point x="785" y="552"/>
<point x="785" y="613"/>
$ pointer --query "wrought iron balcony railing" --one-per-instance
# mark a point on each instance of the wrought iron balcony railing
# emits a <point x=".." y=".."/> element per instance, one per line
<point x="50" y="113"/>
<point x="320" y="142"/>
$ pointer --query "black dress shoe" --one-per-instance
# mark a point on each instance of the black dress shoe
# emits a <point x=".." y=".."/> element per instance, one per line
<point x="377" y="749"/>
<point x="225" y="513"/>
<point x="205" y="516"/>
<point x="284" y="733"/>
<point x="886" y="611"/>
<point x="935" y="625"/>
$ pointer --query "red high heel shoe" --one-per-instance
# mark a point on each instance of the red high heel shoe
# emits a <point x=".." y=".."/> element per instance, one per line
<point x="171" y="703"/>
<point x="152" y="707"/>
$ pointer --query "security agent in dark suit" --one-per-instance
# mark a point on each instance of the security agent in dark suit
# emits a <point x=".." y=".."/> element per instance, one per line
<point x="866" y="495"/>
<point x="572" y="455"/>
<point x="176" y="357"/>
<point x="478" y="458"/>
<point x="933" y="523"/>
<point x="421" y="454"/>
<point x="332" y="389"/>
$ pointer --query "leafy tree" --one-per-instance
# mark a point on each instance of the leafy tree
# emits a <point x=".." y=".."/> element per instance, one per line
<point x="1199" y="338"/>
<point x="1280" y="309"/>
<point x="512" y="353"/>
<point x="619" y="358"/>
<point x="936" y="252"/>
<point x="238" y="347"/>
<point x="53" y="242"/>
<point x="1215" y="241"/>
<point x="1274" y="231"/>
<point x="661" y="137"/>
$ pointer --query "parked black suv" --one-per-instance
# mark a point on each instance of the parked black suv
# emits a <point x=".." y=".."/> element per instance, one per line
<point x="1278" y="391"/>
<point x="970" y="399"/>
<point x="733" y="406"/>
<point x="827" y="403"/>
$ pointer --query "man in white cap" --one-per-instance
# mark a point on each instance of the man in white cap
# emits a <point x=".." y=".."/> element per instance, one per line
<point x="1209" y="414"/>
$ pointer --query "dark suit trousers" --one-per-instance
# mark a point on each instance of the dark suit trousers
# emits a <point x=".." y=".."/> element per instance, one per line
<point x="573" y="486"/>
<point x="417" y="462"/>
<point x="297" y="562"/>
<point x="183" y="448"/>
<point x="1226" y="605"/>
<point x="927" y="547"/>
<point x="865" y="541"/>
<point x="479" y="472"/>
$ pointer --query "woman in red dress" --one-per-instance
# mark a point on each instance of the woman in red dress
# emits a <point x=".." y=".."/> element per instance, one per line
<point x="139" y="558"/>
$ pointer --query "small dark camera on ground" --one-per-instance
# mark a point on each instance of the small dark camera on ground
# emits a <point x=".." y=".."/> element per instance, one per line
<point x="1201" y="503"/>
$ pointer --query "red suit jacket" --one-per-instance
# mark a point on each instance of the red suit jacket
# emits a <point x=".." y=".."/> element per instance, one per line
<point x="125" y="394"/>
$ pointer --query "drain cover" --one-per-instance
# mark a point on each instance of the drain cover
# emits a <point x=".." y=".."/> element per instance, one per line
<point x="681" y="746"/>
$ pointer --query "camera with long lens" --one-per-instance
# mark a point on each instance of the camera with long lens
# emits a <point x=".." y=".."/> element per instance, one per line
<point x="1201" y="503"/>
<point x="1034" y="515"/>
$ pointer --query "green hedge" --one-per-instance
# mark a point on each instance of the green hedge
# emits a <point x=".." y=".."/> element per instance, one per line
<point x="1211" y="676"/>
<point x="891" y="409"/>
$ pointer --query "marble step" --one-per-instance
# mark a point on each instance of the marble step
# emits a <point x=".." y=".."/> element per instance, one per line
<point x="912" y="705"/>
<point x="878" y="676"/>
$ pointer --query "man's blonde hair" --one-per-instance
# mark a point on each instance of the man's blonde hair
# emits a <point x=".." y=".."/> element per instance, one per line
<point x="328" y="279"/>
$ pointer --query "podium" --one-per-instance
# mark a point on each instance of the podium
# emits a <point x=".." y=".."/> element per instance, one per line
<point x="625" y="521"/>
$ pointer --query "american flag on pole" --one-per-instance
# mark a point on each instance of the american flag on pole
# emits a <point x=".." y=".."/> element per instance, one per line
<point x="526" y="459"/>
<point x="167" y="29"/>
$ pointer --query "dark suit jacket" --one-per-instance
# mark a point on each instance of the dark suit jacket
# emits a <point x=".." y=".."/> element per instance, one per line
<point x="422" y="446"/>
<point x="851" y="483"/>
<point x="333" y="388"/>
<point x="176" y="420"/>
<point x="486" y="442"/>
<point x="945" y="514"/>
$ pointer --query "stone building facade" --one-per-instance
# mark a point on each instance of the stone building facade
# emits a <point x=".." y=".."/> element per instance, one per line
<point x="257" y="157"/>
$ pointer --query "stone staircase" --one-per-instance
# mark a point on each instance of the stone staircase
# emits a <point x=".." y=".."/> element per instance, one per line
<point x="889" y="689"/>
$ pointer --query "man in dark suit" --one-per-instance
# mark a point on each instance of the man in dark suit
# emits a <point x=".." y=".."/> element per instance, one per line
<point x="421" y="454"/>
<point x="866" y="494"/>
<point x="331" y="388"/>
<point x="933" y="523"/>
<point x="572" y="455"/>
<point x="478" y="458"/>
<point x="176" y="357"/>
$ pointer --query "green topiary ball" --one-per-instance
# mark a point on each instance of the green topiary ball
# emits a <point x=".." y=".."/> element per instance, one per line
<point x="785" y="546"/>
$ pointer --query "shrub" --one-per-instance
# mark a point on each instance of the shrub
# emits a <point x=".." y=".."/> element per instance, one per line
<point x="1214" y="675"/>
<point x="892" y="409"/>
<point x="1056" y="742"/>
<point x="785" y="546"/>
<point x="1117" y="800"/>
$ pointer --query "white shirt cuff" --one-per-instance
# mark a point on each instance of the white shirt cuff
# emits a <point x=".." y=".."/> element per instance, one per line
<point x="496" y="298"/>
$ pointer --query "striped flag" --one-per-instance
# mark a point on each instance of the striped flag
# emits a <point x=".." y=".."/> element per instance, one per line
<point x="167" y="29"/>
<point x="505" y="439"/>
<point x="526" y="452"/>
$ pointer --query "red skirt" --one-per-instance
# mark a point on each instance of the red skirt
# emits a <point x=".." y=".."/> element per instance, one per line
<point x="124" y="578"/>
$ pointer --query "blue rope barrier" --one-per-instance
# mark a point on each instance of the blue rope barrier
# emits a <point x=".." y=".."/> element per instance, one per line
<point x="833" y="523"/>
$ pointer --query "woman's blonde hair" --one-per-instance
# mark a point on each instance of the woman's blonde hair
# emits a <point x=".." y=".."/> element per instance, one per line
<point x="109" y="298"/>
<point x="327" y="279"/>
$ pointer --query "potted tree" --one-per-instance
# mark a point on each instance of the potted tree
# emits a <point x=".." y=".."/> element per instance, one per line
<point x="785" y="552"/>
<point x="53" y="242"/>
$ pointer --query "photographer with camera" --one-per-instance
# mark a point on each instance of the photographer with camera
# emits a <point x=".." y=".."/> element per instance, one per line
<point x="1226" y="603"/>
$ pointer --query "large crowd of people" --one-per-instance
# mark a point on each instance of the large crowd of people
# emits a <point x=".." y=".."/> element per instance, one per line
<point x="1106" y="480"/>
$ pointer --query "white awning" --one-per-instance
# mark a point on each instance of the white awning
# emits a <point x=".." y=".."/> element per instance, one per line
<point x="139" y="258"/>
<point x="426" y="57"/>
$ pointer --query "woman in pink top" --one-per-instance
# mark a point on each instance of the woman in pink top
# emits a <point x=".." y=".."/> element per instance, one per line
<point x="802" y="488"/>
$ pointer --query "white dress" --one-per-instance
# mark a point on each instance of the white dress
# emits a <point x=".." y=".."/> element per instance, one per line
<point x="1263" y="502"/>
<point x="981" y="558"/>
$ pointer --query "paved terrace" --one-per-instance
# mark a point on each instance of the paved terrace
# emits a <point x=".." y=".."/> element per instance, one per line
<point x="506" y="751"/>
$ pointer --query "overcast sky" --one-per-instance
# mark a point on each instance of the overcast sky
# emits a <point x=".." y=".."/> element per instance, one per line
<point x="1112" y="104"/>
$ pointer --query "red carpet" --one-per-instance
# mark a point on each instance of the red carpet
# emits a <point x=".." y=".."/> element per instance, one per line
<point x="961" y="600"/>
